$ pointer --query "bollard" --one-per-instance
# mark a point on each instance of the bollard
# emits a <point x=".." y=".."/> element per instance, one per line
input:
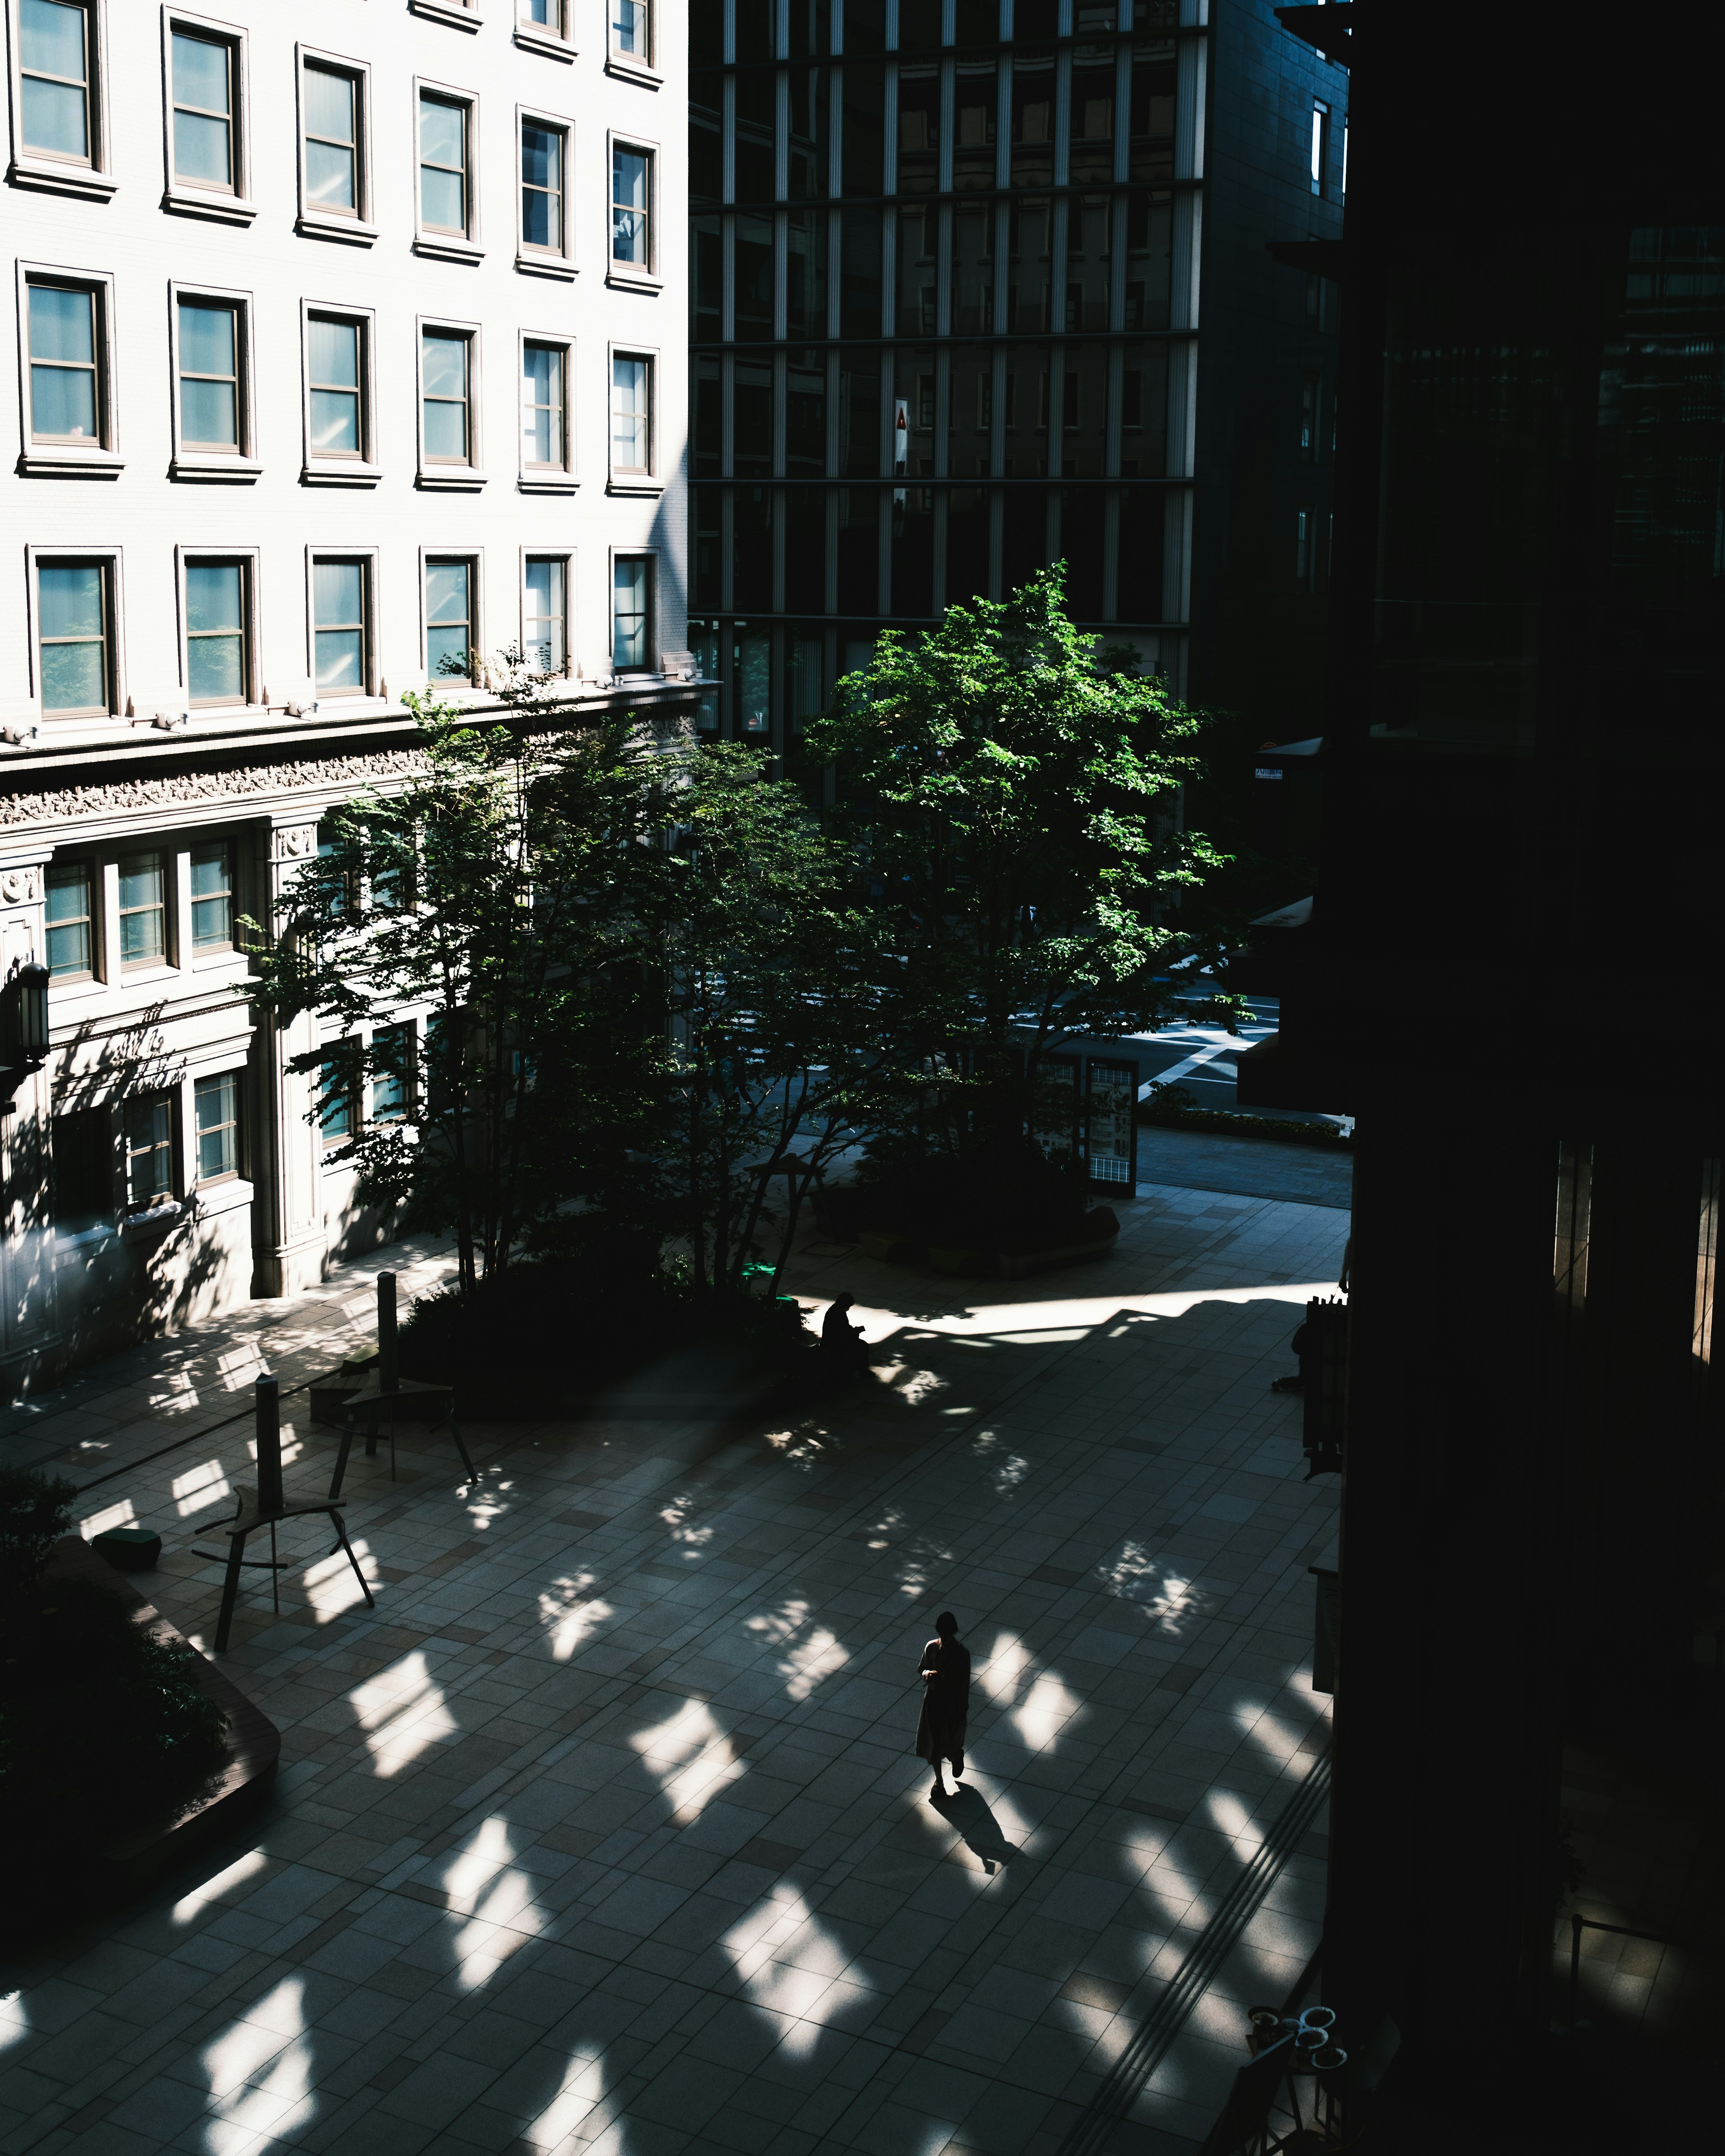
<point x="269" y="1429"/>
<point x="388" y="1350"/>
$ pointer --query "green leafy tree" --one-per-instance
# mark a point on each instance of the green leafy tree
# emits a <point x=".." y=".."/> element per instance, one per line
<point x="772" y="986"/>
<point x="1010" y="797"/>
<point x="508" y="897"/>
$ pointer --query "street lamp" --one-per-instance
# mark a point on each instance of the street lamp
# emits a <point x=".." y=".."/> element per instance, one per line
<point x="24" y="1029"/>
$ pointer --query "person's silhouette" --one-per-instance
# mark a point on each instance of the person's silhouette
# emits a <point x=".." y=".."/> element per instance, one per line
<point x="945" y="1703"/>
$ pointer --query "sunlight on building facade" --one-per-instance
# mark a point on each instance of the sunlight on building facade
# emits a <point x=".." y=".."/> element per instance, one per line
<point x="260" y="2074"/>
<point x="790" y="1964"/>
<point x="496" y="1900"/>
<point x="200" y="1487"/>
<point x="691" y="1760"/>
<point x="401" y="1712"/>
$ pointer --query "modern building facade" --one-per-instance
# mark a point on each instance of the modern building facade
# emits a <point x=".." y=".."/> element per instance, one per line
<point x="1521" y="808"/>
<point x="349" y="353"/>
<point x="980" y="284"/>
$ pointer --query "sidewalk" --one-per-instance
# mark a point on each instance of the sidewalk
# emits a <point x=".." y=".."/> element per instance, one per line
<point x="603" y="1831"/>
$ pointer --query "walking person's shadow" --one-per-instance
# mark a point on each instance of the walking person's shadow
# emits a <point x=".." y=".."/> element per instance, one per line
<point x="967" y="1811"/>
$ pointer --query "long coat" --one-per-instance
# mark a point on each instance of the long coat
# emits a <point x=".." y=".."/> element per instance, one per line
<point x="946" y="1703"/>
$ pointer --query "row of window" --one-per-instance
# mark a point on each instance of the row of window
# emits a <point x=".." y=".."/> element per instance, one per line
<point x="906" y="551"/>
<point x="138" y="1156"/>
<point x="77" y="609"/>
<point x="61" y="98"/>
<point x="69" y="353"/>
<point x="106" y="918"/>
<point x="751" y="31"/>
<point x="967" y="269"/>
<point x="1084" y="410"/>
<point x="1088" y="114"/>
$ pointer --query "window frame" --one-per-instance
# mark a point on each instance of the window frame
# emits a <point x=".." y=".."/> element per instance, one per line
<point x="630" y="276"/>
<point x="624" y="479"/>
<point x="109" y="559"/>
<point x="96" y="1229"/>
<point x="325" y="469"/>
<point x="167" y="1199"/>
<point x="409" y="1033"/>
<point x="650" y="555"/>
<point x="1319" y="174"/>
<point x="430" y="240"/>
<point x="311" y="219"/>
<point x="630" y="67"/>
<point x="197" y="1180"/>
<point x="557" y="44"/>
<point x="89" y="868"/>
<point x="49" y="457"/>
<point x="530" y="260"/>
<point x="438" y="476"/>
<point x="328" y="1139"/>
<point x="456" y="14"/>
<point x="241" y="462"/>
<point x="168" y="959"/>
<point x="547" y="479"/>
<point x="567" y="557"/>
<point x="475" y="558"/>
<point x="91" y="177"/>
<point x="207" y="199"/>
<point x="187" y="557"/>
<point x="367" y="557"/>
<point x="214" y="954"/>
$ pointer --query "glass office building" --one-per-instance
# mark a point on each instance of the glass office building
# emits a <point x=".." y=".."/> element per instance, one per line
<point x="945" y="272"/>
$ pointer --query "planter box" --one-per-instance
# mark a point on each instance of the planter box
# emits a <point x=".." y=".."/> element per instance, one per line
<point x="887" y="1244"/>
<point x="137" y="1858"/>
<point x="950" y="1258"/>
<point x="1017" y="1264"/>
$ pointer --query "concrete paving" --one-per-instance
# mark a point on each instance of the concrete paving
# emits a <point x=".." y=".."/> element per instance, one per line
<point x="603" y="1832"/>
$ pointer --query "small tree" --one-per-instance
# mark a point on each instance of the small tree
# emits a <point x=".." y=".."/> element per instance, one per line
<point x="774" y="1000"/>
<point x="507" y="897"/>
<point x="1011" y="798"/>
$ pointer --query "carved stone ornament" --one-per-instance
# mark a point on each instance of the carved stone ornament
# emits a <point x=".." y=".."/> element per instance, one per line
<point x="296" y="842"/>
<point x="21" y="887"/>
<point x="183" y="789"/>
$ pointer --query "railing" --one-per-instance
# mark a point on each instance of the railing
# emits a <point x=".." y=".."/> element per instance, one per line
<point x="1577" y="1925"/>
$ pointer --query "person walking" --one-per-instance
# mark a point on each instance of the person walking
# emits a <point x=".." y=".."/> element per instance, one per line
<point x="945" y="1703"/>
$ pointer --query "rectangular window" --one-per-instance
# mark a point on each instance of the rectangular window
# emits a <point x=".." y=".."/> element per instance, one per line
<point x="544" y="427"/>
<point x="449" y="618"/>
<point x="544" y="584"/>
<point x="143" y="910"/>
<point x="83" y="1170"/>
<point x="71" y="923"/>
<point x="341" y="627"/>
<point x="631" y="209"/>
<point x="445" y="192"/>
<point x="211" y="413"/>
<point x="203" y="69"/>
<point x="445" y="375"/>
<point x="74" y="609"/>
<point x="1302" y="545"/>
<point x="216" y="1110"/>
<point x="335" y="359"/>
<point x="335" y="1104"/>
<point x="330" y="105"/>
<point x="57" y="39"/>
<point x="391" y="1073"/>
<point x="212" y="897"/>
<point x="1308" y="418"/>
<point x="66" y="389"/>
<point x="1319" y="145"/>
<point x="547" y="15"/>
<point x="542" y="186"/>
<point x="629" y="28"/>
<point x="217" y="668"/>
<point x="631" y="414"/>
<point x="631" y="601"/>
<point x="149" y="1149"/>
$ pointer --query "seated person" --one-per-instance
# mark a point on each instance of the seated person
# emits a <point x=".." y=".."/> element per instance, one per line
<point x="842" y="1341"/>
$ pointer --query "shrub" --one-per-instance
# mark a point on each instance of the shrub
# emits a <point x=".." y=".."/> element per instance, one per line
<point x="1170" y="1107"/>
<point x="102" y="1727"/>
<point x="570" y="1323"/>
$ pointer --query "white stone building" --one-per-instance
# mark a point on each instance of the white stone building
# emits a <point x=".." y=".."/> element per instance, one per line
<point x="349" y="337"/>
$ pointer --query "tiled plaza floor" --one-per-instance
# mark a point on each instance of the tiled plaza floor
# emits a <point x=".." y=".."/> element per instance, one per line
<point x="603" y="1832"/>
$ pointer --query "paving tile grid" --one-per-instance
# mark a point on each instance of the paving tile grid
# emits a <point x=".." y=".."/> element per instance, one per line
<point x="603" y="1832"/>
